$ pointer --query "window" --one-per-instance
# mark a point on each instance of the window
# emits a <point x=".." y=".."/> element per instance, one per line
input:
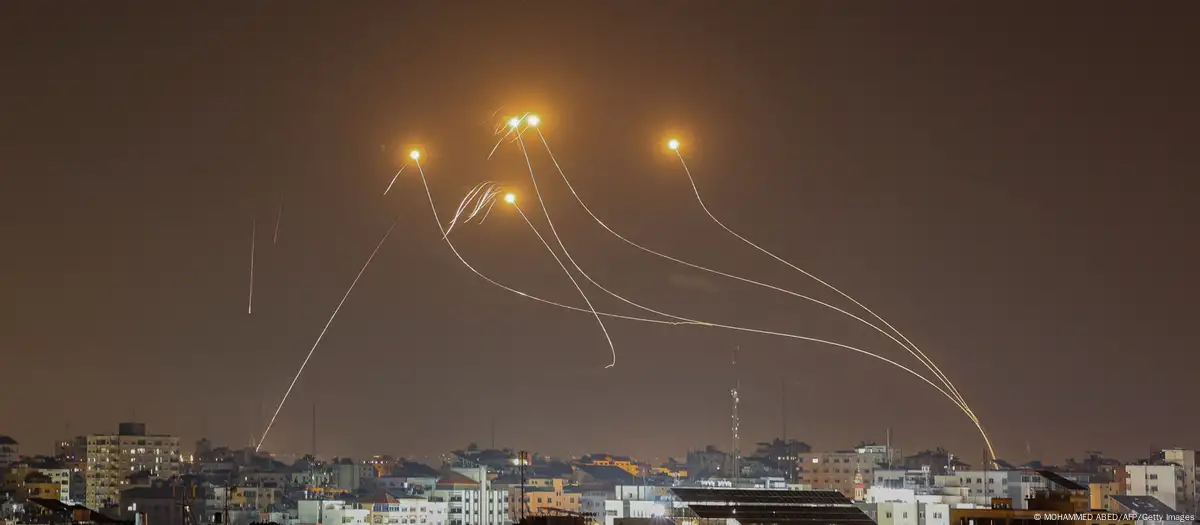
<point x="889" y="514"/>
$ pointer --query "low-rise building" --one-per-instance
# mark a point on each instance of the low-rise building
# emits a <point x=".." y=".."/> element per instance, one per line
<point x="10" y="451"/>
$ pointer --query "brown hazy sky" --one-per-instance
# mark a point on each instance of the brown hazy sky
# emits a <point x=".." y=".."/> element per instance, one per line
<point x="1013" y="186"/>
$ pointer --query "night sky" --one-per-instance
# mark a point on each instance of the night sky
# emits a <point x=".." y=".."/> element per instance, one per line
<point x="1012" y="187"/>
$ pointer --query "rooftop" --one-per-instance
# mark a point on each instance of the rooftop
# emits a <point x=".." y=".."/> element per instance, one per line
<point x="1144" y="505"/>
<point x="752" y="507"/>
<point x="454" y="479"/>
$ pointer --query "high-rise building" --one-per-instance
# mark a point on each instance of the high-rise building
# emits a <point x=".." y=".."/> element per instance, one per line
<point x="112" y="458"/>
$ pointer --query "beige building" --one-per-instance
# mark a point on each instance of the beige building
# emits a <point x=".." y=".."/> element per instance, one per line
<point x="112" y="458"/>
<point x="843" y="471"/>
<point x="1100" y="495"/>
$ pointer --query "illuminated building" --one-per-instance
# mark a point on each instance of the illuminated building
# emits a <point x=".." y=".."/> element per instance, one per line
<point x="10" y="451"/>
<point x="62" y="478"/>
<point x="606" y="460"/>
<point x="465" y="506"/>
<point x="384" y="507"/>
<point x="838" y="470"/>
<point x="677" y="473"/>
<point x="543" y="496"/>
<point x="113" y="457"/>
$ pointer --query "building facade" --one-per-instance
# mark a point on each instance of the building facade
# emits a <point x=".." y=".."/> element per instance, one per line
<point x="1186" y="459"/>
<point x="468" y="501"/>
<point x="840" y="470"/>
<point x="114" y="457"/>
<point x="10" y="451"/>
<point x="1164" y="482"/>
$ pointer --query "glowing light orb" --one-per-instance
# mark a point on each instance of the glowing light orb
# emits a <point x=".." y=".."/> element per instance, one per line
<point x="514" y="122"/>
<point x="414" y="155"/>
<point x="673" y="144"/>
<point x="533" y="120"/>
<point x="510" y="198"/>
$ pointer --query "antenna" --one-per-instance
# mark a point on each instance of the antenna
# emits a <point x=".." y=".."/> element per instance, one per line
<point x="737" y="454"/>
<point x="522" y="460"/>
<point x="888" y="451"/>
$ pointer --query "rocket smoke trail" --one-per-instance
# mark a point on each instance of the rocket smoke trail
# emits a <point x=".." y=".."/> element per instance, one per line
<point x="278" y="219"/>
<point x="322" y="334"/>
<point x="389" y="188"/>
<point x="253" y="236"/>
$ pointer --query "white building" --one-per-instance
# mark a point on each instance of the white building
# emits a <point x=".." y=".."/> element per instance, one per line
<point x="111" y="458"/>
<point x="1164" y="482"/>
<point x="467" y="504"/>
<point x="386" y="509"/>
<point x="1191" y="492"/>
<point x="311" y="512"/>
<point x="609" y="510"/>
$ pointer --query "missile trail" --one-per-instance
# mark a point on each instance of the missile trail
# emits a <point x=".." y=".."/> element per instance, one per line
<point x="914" y="347"/>
<point x="497" y="284"/>
<point x="449" y="243"/>
<point x="253" y="237"/>
<point x="567" y="253"/>
<point x="322" y="334"/>
<point x="768" y="332"/>
<point x="921" y="357"/>
<point x="278" y="219"/>
<point x="576" y="284"/>
<point x="389" y="187"/>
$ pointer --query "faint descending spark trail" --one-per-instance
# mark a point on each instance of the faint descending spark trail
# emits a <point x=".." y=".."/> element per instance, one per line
<point x="389" y="188"/>
<point x="253" y="237"/>
<point x="914" y="347"/>
<point x="323" y="330"/>
<point x="483" y="201"/>
<point x="278" y="219"/>
<point x="760" y="332"/>
<point x="924" y="360"/>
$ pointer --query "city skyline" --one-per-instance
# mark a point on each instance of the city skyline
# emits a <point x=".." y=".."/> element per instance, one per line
<point x="1011" y="193"/>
